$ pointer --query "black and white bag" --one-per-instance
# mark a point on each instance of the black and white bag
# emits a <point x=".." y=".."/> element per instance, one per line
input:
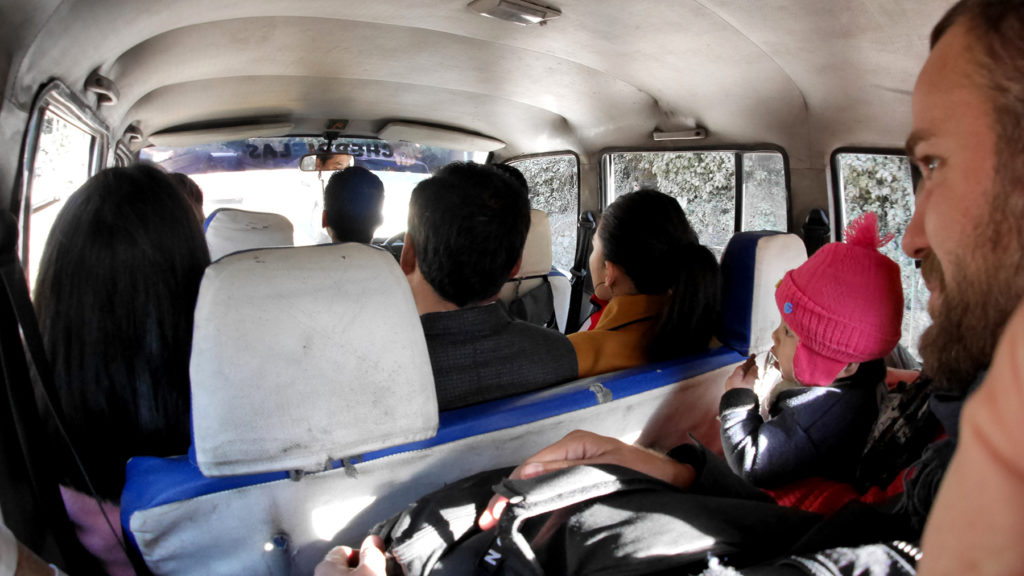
<point x="585" y="520"/>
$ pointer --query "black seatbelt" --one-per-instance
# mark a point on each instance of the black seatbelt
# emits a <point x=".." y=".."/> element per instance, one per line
<point x="32" y="506"/>
<point x="584" y="235"/>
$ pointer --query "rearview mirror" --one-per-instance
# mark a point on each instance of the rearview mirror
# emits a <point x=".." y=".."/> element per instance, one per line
<point x="325" y="162"/>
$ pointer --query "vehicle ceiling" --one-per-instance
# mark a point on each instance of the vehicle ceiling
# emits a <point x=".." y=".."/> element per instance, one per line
<point x="808" y="75"/>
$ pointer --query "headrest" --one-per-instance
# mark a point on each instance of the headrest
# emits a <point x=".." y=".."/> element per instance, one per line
<point x="536" y="259"/>
<point x="537" y="251"/>
<point x="752" y="264"/>
<point x="230" y="230"/>
<point x="301" y="355"/>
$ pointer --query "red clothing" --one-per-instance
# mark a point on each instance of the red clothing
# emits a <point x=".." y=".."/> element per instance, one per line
<point x="591" y="322"/>
<point x="827" y="496"/>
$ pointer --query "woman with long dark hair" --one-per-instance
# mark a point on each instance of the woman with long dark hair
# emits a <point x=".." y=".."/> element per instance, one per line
<point x="115" y="296"/>
<point x="662" y="286"/>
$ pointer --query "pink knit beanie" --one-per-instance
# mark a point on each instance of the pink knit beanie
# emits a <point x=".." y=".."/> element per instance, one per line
<point x="845" y="304"/>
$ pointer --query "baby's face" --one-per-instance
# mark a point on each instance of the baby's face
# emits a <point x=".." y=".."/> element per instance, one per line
<point x="784" y="343"/>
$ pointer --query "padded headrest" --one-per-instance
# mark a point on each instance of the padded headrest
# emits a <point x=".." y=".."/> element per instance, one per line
<point x="301" y="355"/>
<point x="752" y="264"/>
<point x="536" y="259"/>
<point x="230" y="230"/>
<point x="537" y="251"/>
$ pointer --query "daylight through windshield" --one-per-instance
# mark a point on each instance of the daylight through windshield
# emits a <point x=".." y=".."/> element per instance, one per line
<point x="262" y="175"/>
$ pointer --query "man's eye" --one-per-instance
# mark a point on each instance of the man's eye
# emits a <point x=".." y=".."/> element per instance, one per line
<point x="928" y="165"/>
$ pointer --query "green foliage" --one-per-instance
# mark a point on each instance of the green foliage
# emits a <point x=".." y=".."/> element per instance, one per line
<point x="882" y="184"/>
<point x="704" y="183"/>
<point x="553" y="189"/>
<point x="764" y="192"/>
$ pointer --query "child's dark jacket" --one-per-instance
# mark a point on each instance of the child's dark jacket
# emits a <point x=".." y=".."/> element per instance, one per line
<point x="818" y="431"/>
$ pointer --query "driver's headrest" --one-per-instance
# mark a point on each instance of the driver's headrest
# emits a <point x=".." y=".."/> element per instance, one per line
<point x="303" y="355"/>
<point x="230" y="230"/>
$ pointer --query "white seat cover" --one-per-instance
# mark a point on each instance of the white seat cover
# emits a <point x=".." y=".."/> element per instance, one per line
<point x="300" y="355"/>
<point x="230" y="230"/>
<point x="536" y="259"/>
<point x="776" y="255"/>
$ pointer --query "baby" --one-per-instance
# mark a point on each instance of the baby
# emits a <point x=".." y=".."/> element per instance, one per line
<point x="841" y="315"/>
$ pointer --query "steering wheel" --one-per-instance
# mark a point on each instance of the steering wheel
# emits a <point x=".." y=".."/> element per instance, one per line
<point x="394" y="244"/>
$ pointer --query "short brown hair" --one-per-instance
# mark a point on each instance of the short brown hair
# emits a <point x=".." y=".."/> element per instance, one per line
<point x="997" y="28"/>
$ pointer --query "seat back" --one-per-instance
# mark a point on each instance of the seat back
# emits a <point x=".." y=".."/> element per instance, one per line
<point x="561" y="291"/>
<point x="528" y="294"/>
<point x="301" y="358"/>
<point x="752" y="265"/>
<point x="277" y="522"/>
<point x="230" y="230"/>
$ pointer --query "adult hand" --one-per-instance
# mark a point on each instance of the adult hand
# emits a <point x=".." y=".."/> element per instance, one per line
<point x="342" y="560"/>
<point x="744" y="376"/>
<point x="581" y="447"/>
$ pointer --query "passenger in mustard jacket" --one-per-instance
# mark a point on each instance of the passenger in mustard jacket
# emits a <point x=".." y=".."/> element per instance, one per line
<point x="661" y="283"/>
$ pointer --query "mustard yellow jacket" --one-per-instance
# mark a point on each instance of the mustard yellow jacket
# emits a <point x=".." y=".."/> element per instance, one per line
<point x="621" y="336"/>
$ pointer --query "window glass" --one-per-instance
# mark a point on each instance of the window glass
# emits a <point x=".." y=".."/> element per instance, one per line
<point x="764" y="191"/>
<point x="62" y="160"/>
<point x="262" y="175"/>
<point x="554" y="189"/>
<point x="704" y="183"/>
<point x="882" y="184"/>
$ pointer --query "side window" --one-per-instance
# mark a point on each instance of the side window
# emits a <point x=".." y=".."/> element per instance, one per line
<point x="764" y="192"/>
<point x="554" y="188"/>
<point x="706" y="186"/>
<point x="62" y="160"/>
<point x="882" y="184"/>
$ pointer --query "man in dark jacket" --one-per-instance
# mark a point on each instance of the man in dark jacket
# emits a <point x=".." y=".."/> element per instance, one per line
<point x="467" y="229"/>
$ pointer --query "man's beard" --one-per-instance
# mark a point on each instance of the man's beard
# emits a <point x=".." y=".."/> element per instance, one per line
<point x="975" y="303"/>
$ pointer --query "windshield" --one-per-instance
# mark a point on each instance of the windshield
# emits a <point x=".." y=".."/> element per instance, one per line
<point x="262" y="175"/>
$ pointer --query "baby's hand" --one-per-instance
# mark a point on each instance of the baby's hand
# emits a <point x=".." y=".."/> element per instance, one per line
<point x="744" y="376"/>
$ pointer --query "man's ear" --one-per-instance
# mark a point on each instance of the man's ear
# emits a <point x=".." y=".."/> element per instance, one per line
<point x="515" y="269"/>
<point x="850" y="370"/>
<point x="328" y="229"/>
<point x="323" y="219"/>
<point x="408" y="258"/>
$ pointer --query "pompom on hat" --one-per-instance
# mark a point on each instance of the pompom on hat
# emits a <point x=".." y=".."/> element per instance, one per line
<point x="845" y="304"/>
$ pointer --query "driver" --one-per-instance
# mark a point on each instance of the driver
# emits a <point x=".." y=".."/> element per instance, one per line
<point x="353" y="205"/>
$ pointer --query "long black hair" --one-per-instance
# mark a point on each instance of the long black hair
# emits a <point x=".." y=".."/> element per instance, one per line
<point x="115" y="296"/>
<point x="646" y="233"/>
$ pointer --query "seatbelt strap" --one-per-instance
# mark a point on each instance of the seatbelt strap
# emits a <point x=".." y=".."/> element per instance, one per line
<point x="584" y="236"/>
<point x="26" y="466"/>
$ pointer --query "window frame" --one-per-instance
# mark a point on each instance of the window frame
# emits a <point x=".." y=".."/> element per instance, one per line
<point x="534" y="156"/>
<point x="738" y="151"/>
<point x="838" y="207"/>
<point x="57" y="97"/>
